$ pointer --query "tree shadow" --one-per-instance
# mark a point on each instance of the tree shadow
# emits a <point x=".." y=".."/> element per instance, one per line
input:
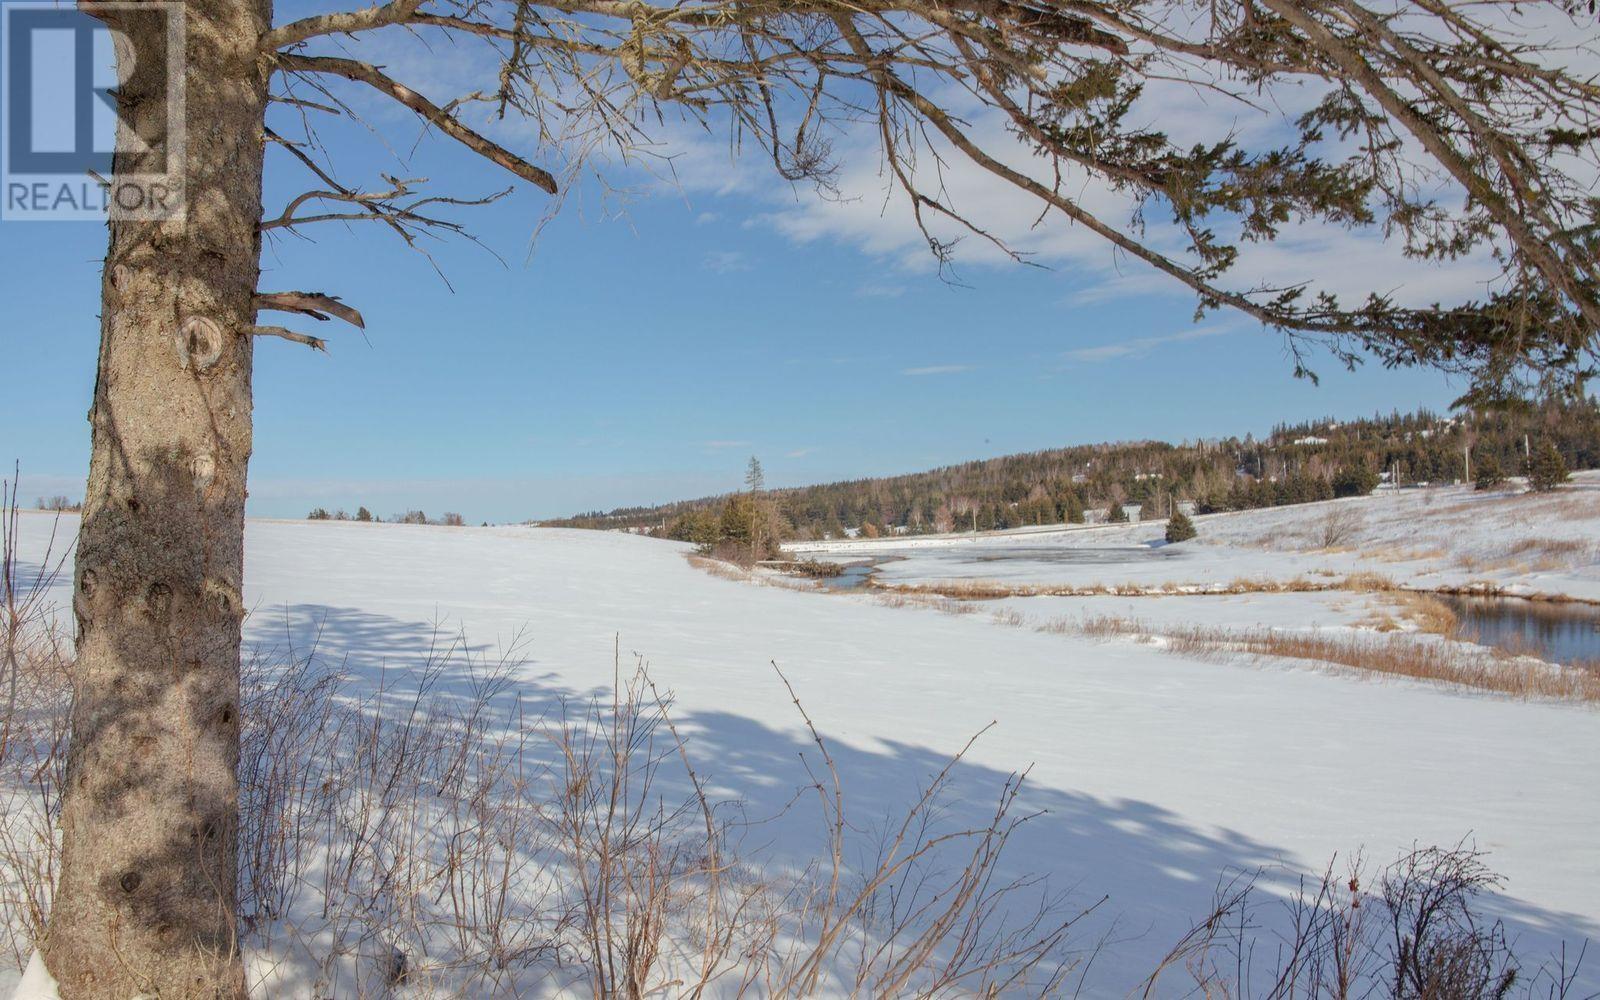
<point x="1143" y="874"/>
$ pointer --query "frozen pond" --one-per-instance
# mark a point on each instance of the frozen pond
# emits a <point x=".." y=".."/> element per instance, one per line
<point x="983" y="560"/>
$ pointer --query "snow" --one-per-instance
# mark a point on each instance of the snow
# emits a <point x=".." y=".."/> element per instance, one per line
<point x="1160" y="774"/>
<point x="1440" y="538"/>
<point x="35" y="983"/>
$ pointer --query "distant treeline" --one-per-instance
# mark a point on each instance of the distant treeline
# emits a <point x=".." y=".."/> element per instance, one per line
<point x="1296" y="463"/>
<point x="363" y="514"/>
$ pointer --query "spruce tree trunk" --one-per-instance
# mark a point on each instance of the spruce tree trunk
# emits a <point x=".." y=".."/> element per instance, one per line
<point x="147" y="898"/>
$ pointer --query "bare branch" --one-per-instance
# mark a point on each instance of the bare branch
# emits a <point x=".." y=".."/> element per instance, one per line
<point x="317" y="305"/>
<point x="362" y="72"/>
<point x="1410" y="109"/>
<point x="315" y="343"/>
<point x="341" y="22"/>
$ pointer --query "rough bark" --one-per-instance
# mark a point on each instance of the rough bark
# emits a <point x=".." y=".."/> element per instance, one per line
<point x="148" y="891"/>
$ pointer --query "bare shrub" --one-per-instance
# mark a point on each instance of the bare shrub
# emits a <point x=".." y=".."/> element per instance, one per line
<point x="1339" y="527"/>
<point x="34" y="722"/>
<point x="1415" y="934"/>
<point x="732" y="551"/>
<point x="32" y="774"/>
<point x="424" y="829"/>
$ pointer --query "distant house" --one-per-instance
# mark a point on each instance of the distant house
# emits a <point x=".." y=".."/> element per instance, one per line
<point x="1133" y="511"/>
<point x="1187" y="507"/>
<point x="1312" y="440"/>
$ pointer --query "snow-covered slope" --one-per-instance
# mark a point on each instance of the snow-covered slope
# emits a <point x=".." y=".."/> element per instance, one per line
<point x="1159" y="774"/>
<point x="1447" y="537"/>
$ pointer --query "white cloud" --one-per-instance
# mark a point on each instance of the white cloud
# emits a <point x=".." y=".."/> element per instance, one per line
<point x="726" y="261"/>
<point x="868" y="214"/>
<point x="1142" y="346"/>
<point x="799" y="453"/>
<point x="936" y="370"/>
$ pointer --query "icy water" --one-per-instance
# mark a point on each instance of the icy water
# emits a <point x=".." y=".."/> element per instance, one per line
<point x="854" y="575"/>
<point x="858" y="573"/>
<point x="1070" y="556"/>
<point x="1558" y="633"/>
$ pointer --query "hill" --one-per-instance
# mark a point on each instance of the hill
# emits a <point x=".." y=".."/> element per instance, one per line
<point x="1295" y="463"/>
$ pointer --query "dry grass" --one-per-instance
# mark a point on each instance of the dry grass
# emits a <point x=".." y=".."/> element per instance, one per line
<point x="1009" y="618"/>
<point x="1391" y="654"/>
<point x="1368" y="582"/>
<point x="932" y="602"/>
<point x="1398" y="554"/>
<point x="1543" y="555"/>
<point x="718" y="568"/>
<point x="1429" y="614"/>
<point x="990" y="590"/>
<point x="723" y="570"/>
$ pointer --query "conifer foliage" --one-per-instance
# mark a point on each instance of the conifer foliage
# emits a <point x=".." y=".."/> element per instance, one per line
<point x="1547" y="469"/>
<point x="1180" y="528"/>
<point x="1489" y="474"/>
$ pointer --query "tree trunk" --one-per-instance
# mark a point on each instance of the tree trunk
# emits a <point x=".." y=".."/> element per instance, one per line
<point x="147" y="898"/>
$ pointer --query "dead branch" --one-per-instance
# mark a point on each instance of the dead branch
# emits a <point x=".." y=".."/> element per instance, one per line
<point x="361" y="72"/>
<point x="315" y="343"/>
<point x="317" y="305"/>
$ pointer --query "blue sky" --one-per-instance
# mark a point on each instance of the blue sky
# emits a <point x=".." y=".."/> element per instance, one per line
<point x="644" y="356"/>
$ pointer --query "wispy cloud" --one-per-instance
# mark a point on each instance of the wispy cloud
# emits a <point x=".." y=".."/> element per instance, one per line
<point x="936" y="370"/>
<point x="706" y="218"/>
<point x="726" y="261"/>
<point x="720" y="445"/>
<point x="1142" y="346"/>
<point x="798" y="453"/>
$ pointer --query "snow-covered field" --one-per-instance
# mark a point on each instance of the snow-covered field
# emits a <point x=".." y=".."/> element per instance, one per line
<point x="1158" y="775"/>
<point x="1428" y="538"/>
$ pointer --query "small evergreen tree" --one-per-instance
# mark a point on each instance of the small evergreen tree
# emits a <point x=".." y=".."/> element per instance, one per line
<point x="1356" y="482"/>
<point x="701" y="527"/>
<point x="318" y="514"/>
<point x="1488" y="475"/>
<point x="1179" y="527"/>
<point x="1116" y="515"/>
<point x="363" y="514"/>
<point x="1547" y="469"/>
<point x="738" y="517"/>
